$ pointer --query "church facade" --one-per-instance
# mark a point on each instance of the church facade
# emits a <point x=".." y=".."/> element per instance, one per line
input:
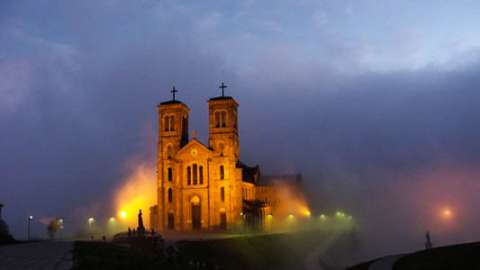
<point x="203" y="186"/>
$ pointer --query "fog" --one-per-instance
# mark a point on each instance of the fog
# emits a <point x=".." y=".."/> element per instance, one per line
<point x="377" y="131"/>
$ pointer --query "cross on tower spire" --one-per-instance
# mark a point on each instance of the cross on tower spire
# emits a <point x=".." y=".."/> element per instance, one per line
<point x="173" y="91"/>
<point x="223" y="86"/>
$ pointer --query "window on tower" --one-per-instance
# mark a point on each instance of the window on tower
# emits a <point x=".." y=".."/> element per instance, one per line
<point x="222" y="194"/>
<point x="220" y="119"/>
<point x="217" y="119"/>
<point x="170" y="174"/>
<point x="170" y="195"/>
<point x="169" y="122"/>
<point x="189" y="175"/>
<point x="222" y="172"/>
<point x="172" y="123"/>
<point x="223" y="119"/>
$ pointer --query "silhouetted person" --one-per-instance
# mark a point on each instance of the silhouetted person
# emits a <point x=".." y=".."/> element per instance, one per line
<point x="140" y="228"/>
<point x="129" y="232"/>
<point x="428" y="243"/>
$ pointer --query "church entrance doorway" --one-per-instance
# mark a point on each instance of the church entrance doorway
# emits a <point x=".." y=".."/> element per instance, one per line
<point x="170" y="221"/>
<point x="223" y="220"/>
<point x="196" y="213"/>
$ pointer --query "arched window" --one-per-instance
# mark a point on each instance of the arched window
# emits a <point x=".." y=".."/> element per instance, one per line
<point x="217" y="119"/>
<point x="166" y="123"/>
<point x="189" y="175"/>
<point x="195" y="174"/>
<point x="170" y="195"/>
<point x="169" y="122"/>
<point x="223" y="119"/>
<point x="222" y="194"/>
<point x="200" y="171"/>
<point x="222" y="172"/>
<point x="170" y="174"/>
<point x="172" y="123"/>
<point x="220" y="119"/>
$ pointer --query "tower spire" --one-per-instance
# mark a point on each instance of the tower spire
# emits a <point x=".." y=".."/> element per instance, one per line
<point x="223" y="86"/>
<point x="173" y="91"/>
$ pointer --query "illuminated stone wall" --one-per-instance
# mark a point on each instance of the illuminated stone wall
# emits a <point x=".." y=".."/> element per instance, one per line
<point x="199" y="186"/>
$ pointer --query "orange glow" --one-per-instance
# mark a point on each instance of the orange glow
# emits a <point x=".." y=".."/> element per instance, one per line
<point x="305" y="212"/>
<point x="137" y="192"/>
<point x="446" y="213"/>
<point x="290" y="201"/>
<point x="123" y="214"/>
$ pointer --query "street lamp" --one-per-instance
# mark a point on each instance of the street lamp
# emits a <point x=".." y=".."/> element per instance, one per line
<point x="30" y="218"/>
<point x="91" y="220"/>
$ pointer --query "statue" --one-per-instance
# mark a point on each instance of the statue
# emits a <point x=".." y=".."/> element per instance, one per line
<point x="428" y="243"/>
<point x="140" y="228"/>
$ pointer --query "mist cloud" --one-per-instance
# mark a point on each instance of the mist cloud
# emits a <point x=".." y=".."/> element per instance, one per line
<point x="363" y="121"/>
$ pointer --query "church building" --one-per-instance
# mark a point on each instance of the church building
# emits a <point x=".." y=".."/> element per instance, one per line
<point x="203" y="186"/>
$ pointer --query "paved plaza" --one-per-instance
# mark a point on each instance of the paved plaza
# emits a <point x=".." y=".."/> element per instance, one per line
<point x="41" y="255"/>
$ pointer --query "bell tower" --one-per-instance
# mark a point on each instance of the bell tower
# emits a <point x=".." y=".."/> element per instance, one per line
<point x="172" y="136"/>
<point x="223" y="125"/>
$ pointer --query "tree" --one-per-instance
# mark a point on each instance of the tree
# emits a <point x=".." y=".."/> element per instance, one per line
<point x="53" y="228"/>
<point x="5" y="236"/>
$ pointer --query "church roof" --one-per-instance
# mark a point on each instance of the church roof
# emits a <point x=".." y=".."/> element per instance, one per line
<point x="170" y="102"/>
<point x="194" y="141"/>
<point x="221" y="98"/>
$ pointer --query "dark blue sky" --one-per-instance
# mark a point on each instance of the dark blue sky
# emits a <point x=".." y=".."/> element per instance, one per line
<point x="376" y="103"/>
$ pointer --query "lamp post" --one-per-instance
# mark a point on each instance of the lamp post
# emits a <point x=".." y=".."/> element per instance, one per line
<point x="30" y="218"/>
<point x="91" y="220"/>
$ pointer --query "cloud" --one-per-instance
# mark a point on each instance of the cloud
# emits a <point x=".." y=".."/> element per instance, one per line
<point x="319" y="18"/>
<point x="16" y="81"/>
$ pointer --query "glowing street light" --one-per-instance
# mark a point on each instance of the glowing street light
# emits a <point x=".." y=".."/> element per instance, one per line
<point x="323" y="217"/>
<point x="112" y="219"/>
<point x="123" y="214"/>
<point x="91" y="220"/>
<point x="60" y="223"/>
<point x="447" y="213"/>
<point x="30" y="218"/>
